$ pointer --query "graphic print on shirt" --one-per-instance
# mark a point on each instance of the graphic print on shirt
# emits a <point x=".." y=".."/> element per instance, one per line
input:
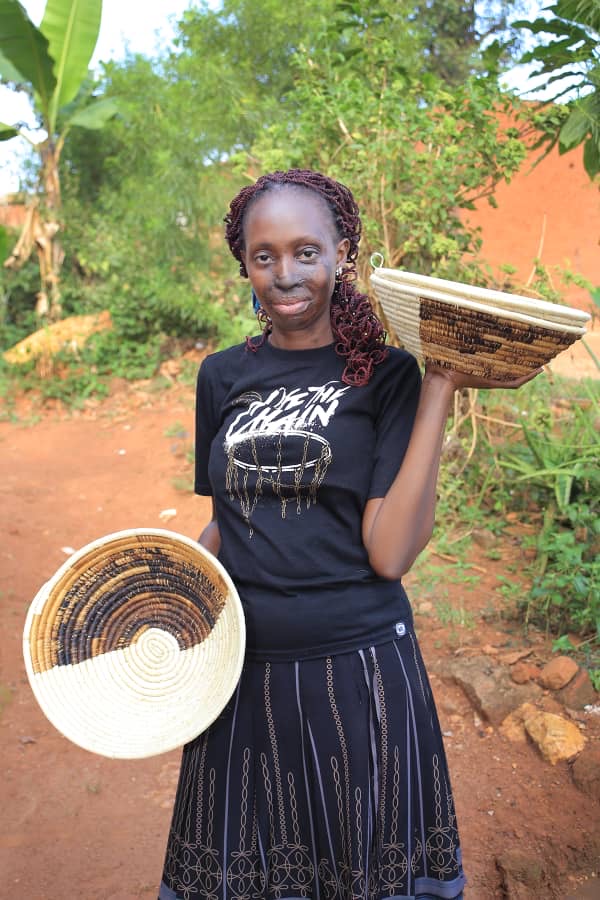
<point x="274" y="444"/>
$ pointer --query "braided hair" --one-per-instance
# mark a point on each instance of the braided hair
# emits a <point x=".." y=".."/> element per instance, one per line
<point x="359" y="335"/>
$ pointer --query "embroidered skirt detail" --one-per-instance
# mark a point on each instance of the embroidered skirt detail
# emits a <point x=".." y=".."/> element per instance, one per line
<point x="325" y="779"/>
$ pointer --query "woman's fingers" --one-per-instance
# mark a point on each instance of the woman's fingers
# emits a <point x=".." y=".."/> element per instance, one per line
<point x="523" y="380"/>
<point x="461" y="380"/>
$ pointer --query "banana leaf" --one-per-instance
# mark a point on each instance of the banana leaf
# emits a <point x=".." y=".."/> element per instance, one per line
<point x="96" y="114"/>
<point x="72" y="28"/>
<point x="26" y="49"/>
<point x="7" y="132"/>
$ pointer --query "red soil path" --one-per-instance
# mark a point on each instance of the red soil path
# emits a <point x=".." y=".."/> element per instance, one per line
<point x="80" y="827"/>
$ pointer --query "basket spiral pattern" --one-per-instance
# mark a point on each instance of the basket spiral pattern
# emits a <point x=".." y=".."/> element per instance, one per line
<point x="136" y="643"/>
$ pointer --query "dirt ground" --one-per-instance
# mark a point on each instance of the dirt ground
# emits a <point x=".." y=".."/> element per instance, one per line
<point x="75" y="825"/>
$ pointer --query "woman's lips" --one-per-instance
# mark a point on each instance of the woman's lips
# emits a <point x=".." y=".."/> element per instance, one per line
<point x="291" y="306"/>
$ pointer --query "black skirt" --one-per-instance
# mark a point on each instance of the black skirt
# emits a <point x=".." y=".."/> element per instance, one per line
<point x="324" y="778"/>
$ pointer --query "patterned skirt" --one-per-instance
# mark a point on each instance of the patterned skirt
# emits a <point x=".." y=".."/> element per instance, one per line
<point x="324" y="778"/>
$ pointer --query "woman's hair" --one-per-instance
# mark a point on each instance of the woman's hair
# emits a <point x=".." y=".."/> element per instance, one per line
<point x="359" y="335"/>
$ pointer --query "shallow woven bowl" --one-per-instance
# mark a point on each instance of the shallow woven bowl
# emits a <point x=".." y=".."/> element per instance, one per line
<point x="485" y="333"/>
<point x="136" y="644"/>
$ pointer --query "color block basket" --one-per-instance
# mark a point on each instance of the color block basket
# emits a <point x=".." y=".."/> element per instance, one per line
<point x="484" y="333"/>
<point x="136" y="644"/>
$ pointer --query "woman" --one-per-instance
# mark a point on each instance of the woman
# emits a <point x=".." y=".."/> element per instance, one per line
<point x="325" y="776"/>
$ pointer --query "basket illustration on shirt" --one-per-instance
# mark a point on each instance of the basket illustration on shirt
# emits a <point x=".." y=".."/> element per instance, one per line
<point x="274" y="443"/>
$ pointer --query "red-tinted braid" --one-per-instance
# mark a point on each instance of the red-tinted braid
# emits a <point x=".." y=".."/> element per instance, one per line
<point x="359" y="335"/>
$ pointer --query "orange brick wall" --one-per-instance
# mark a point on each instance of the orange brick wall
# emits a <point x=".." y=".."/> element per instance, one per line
<point x="551" y="211"/>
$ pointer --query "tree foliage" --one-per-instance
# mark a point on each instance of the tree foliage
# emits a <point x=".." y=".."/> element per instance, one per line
<point x="569" y="63"/>
<point x="358" y="89"/>
<point x="147" y="204"/>
<point x="414" y="149"/>
<point x="454" y="32"/>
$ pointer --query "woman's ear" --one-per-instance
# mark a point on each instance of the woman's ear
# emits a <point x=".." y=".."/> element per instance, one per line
<point x="342" y="251"/>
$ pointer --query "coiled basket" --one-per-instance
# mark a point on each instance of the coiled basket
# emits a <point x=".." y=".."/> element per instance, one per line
<point x="481" y="332"/>
<point x="136" y="644"/>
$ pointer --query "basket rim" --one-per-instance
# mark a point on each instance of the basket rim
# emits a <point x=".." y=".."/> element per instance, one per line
<point x="494" y="298"/>
<point x="413" y="293"/>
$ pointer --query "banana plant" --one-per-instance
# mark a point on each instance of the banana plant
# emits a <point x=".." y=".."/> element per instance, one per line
<point x="50" y="64"/>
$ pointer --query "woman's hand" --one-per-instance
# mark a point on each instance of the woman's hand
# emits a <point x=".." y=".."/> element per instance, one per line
<point x="459" y="380"/>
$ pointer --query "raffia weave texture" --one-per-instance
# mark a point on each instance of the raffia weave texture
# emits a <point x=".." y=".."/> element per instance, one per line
<point x="136" y="644"/>
<point x="485" y="333"/>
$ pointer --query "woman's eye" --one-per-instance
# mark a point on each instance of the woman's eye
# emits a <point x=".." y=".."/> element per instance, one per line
<point x="262" y="258"/>
<point x="308" y="253"/>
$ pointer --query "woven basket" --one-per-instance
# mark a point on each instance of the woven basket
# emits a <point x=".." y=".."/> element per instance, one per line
<point x="136" y="644"/>
<point x="481" y="332"/>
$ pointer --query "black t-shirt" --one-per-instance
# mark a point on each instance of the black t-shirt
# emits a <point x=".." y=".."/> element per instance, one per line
<point x="290" y="455"/>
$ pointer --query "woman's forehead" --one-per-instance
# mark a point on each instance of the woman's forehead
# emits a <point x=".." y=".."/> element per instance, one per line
<point x="290" y="207"/>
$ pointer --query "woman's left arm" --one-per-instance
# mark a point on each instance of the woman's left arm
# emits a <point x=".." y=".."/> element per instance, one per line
<point x="395" y="528"/>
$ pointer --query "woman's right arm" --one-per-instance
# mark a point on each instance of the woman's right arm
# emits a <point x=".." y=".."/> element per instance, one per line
<point x="211" y="536"/>
<point x="398" y="526"/>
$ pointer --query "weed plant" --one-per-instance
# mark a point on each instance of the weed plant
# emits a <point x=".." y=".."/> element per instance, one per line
<point x="557" y="464"/>
<point x="535" y="461"/>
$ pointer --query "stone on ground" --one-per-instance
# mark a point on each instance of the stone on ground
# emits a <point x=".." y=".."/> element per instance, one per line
<point x="513" y="726"/>
<point x="522" y="672"/>
<point x="489" y="687"/>
<point x="579" y="692"/>
<point x="555" y="737"/>
<point x="586" y="772"/>
<point x="523" y="876"/>
<point x="558" y="673"/>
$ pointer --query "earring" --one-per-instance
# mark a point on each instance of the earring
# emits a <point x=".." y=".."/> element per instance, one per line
<point x="255" y="302"/>
<point x="339" y="271"/>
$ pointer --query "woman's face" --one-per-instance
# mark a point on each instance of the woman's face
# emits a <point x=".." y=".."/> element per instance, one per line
<point x="291" y="252"/>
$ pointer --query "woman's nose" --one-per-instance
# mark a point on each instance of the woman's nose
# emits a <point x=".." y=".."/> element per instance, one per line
<point x="286" y="274"/>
